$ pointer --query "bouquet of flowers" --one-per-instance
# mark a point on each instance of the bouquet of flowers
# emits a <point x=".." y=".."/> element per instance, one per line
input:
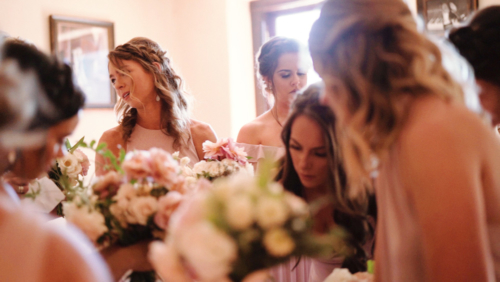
<point x="68" y="172"/>
<point x="132" y="203"/>
<point x="222" y="159"/>
<point x="242" y="225"/>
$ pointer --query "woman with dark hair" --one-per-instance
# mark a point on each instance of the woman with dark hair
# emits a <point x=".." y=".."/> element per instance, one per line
<point x="479" y="43"/>
<point x="152" y="106"/>
<point x="402" y="124"/>
<point x="282" y="65"/>
<point x="312" y="169"/>
<point x="39" y="105"/>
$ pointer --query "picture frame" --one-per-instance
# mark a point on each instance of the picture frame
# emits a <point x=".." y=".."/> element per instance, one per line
<point x="84" y="45"/>
<point x="440" y="16"/>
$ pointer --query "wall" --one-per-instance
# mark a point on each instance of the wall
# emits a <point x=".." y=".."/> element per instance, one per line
<point x="209" y="42"/>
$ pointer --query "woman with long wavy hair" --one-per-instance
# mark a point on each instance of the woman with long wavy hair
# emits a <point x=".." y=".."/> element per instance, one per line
<point x="152" y="106"/>
<point x="402" y="123"/>
<point x="313" y="170"/>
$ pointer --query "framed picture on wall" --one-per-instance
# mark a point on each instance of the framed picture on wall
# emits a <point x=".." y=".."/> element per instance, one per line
<point x="84" y="45"/>
<point x="442" y="15"/>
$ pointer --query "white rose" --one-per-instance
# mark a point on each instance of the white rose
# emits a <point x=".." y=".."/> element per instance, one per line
<point x="185" y="161"/>
<point x="271" y="212"/>
<point x="90" y="222"/>
<point x="175" y="155"/>
<point x="140" y="209"/>
<point x="208" y="250"/>
<point x="278" y="243"/>
<point x="215" y="169"/>
<point x="70" y="165"/>
<point x="240" y="212"/>
<point x="249" y="169"/>
<point x="199" y="167"/>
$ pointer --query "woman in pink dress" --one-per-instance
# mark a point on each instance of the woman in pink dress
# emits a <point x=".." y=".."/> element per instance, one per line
<point x="152" y="106"/>
<point x="282" y="65"/>
<point x="39" y="107"/>
<point x="313" y="169"/>
<point x="402" y="120"/>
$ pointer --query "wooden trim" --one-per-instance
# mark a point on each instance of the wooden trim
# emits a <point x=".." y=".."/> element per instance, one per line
<point x="264" y="14"/>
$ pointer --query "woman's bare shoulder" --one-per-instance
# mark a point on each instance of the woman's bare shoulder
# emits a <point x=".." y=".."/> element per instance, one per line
<point x="113" y="137"/>
<point x="202" y="131"/>
<point x="250" y="132"/>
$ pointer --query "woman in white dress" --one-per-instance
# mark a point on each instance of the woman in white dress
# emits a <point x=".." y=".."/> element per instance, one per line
<point x="39" y="107"/>
<point x="152" y="106"/>
<point x="313" y="170"/>
<point x="402" y="119"/>
<point x="282" y="65"/>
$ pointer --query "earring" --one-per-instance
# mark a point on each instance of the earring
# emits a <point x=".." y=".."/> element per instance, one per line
<point x="11" y="157"/>
<point x="157" y="98"/>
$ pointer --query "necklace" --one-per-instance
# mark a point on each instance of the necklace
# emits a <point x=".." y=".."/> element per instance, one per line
<point x="276" y="117"/>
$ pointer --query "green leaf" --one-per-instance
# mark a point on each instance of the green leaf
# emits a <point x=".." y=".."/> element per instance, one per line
<point x="92" y="143"/>
<point x="101" y="146"/>
<point x="72" y="149"/>
<point x="67" y="144"/>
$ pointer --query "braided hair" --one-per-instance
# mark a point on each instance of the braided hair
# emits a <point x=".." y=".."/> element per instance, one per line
<point x="175" y="103"/>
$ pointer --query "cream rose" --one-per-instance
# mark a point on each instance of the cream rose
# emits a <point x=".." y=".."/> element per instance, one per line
<point x="70" y="165"/>
<point x="164" y="168"/>
<point x="140" y="209"/>
<point x="212" y="262"/>
<point x="271" y="212"/>
<point x="90" y="222"/>
<point x="239" y="212"/>
<point x="278" y="243"/>
<point x="83" y="160"/>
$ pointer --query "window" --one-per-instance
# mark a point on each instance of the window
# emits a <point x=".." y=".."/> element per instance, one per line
<point x="290" y="18"/>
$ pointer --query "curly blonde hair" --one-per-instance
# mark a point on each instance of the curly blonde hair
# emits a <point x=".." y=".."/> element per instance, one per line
<point x="370" y="53"/>
<point x="175" y="102"/>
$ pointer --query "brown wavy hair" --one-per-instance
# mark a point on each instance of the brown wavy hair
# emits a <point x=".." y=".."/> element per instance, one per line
<point x="371" y="53"/>
<point x="175" y="102"/>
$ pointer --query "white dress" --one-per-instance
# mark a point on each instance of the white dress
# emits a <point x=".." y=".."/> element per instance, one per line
<point x="32" y="250"/>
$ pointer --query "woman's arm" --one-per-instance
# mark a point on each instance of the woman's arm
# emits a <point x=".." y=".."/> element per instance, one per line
<point x="114" y="141"/>
<point x="441" y="167"/>
<point x="201" y="132"/>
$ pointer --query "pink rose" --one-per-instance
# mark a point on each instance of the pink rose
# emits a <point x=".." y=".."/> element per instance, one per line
<point x="167" y="263"/>
<point x="166" y="206"/>
<point x="164" y="169"/>
<point x="137" y="165"/>
<point x="213" y="150"/>
<point x="83" y="160"/>
<point x="108" y="184"/>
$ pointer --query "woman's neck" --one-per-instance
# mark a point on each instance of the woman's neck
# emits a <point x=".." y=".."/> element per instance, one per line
<point x="312" y="194"/>
<point x="281" y="112"/>
<point x="149" y="116"/>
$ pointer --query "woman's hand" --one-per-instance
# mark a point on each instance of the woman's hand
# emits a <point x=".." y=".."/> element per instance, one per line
<point x="122" y="259"/>
<point x="20" y="185"/>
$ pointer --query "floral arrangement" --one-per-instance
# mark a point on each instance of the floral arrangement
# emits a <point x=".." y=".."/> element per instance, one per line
<point x="242" y="225"/>
<point x="222" y="159"/>
<point x="133" y="202"/>
<point x="68" y="172"/>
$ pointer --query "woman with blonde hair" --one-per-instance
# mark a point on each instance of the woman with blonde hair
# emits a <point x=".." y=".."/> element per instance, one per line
<point x="152" y="105"/>
<point x="282" y="65"/>
<point x="402" y="123"/>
